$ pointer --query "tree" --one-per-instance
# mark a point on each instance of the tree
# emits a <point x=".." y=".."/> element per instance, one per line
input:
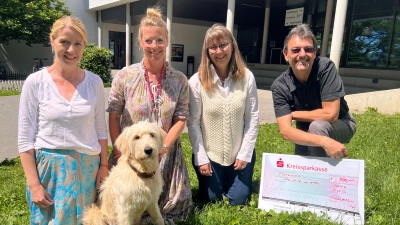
<point x="98" y="61"/>
<point x="29" y="20"/>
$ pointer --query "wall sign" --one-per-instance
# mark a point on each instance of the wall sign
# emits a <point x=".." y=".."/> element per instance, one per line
<point x="294" y="16"/>
<point x="177" y="53"/>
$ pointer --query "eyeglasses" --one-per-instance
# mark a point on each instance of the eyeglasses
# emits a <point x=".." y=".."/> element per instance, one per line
<point x="306" y="50"/>
<point x="221" y="47"/>
<point x="159" y="42"/>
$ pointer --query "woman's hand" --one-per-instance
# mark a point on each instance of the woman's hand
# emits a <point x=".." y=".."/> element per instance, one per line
<point x="163" y="151"/>
<point x="205" y="169"/>
<point x="239" y="164"/>
<point x="40" y="197"/>
<point x="102" y="173"/>
<point x="117" y="155"/>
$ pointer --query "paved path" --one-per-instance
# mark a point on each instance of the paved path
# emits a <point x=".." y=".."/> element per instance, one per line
<point x="8" y="127"/>
<point x="9" y="120"/>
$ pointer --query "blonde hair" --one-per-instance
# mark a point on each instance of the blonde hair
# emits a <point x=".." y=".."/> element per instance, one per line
<point x="152" y="18"/>
<point x="236" y="64"/>
<point x="69" y="21"/>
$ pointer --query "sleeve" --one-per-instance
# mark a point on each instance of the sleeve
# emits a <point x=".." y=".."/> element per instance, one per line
<point x="194" y="122"/>
<point x="281" y="102"/>
<point x="28" y="115"/>
<point x="331" y="83"/>
<point x="182" y="105"/>
<point x="251" y="119"/>
<point x="99" y="113"/>
<point x="116" y="100"/>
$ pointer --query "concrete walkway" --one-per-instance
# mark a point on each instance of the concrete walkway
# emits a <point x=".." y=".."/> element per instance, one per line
<point x="9" y="120"/>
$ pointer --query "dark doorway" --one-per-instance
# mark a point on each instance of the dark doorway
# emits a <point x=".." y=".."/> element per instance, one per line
<point x="117" y="46"/>
<point x="248" y="39"/>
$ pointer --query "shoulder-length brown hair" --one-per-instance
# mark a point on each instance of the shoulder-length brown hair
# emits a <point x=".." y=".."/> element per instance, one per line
<point x="236" y="65"/>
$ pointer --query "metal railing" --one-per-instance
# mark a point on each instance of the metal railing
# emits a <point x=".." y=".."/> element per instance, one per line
<point x="245" y="57"/>
<point x="12" y="81"/>
<point x="14" y="76"/>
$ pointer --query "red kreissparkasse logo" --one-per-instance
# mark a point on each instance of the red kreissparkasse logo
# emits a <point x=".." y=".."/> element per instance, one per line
<point x="280" y="163"/>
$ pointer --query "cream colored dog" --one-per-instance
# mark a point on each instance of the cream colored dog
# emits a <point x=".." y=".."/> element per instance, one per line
<point x="134" y="184"/>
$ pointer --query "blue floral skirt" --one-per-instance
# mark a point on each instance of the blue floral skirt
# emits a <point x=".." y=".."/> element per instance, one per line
<point x="70" y="179"/>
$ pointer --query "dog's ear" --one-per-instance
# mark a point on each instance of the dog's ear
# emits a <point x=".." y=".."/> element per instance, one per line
<point x="122" y="142"/>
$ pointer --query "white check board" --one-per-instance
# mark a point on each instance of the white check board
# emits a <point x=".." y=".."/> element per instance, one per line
<point x="322" y="185"/>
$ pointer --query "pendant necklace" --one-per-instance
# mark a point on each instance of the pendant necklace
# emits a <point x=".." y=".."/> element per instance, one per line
<point x="156" y="101"/>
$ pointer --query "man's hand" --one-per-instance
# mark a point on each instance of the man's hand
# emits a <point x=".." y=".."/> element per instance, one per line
<point x="334" y="149"/>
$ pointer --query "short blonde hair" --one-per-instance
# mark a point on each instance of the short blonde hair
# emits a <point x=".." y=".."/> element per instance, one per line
<point x="69" y="21"/>
<point x="152" y="18"/>
<point x="236" y="64"/>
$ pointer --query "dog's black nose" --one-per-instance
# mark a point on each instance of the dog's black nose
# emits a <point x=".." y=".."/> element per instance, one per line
<point x="148" y="150"/>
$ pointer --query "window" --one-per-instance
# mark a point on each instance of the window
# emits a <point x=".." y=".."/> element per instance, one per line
<point x="369" y="40"/>
<point x="370" y="6"/>
<point x="394" y="60"/>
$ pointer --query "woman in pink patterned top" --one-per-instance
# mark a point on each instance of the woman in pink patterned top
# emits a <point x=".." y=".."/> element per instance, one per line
<point x="153" y="91"/>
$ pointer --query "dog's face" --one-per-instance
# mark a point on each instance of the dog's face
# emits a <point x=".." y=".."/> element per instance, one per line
<point x="142" y="141"/>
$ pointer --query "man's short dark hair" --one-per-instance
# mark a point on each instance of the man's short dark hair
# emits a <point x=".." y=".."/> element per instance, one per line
<point x="304" y="32"/>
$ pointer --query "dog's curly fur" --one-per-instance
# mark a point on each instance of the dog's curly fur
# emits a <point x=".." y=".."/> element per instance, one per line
<point x="124" y="196"/>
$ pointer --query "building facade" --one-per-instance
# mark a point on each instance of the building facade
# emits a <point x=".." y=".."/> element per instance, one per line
<point x="361" y="36"/>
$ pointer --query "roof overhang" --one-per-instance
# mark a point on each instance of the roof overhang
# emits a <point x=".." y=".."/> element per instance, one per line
<point x="95" y="5"/>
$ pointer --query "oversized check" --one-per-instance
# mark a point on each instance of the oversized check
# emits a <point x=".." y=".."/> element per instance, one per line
<point x="322" y="185"/>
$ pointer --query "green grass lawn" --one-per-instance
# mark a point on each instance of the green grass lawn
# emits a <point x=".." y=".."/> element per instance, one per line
<point x="377" y="142"/>
<point x="9" y="92"/>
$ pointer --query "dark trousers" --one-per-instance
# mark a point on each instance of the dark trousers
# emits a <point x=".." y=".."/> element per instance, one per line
<point x="342" y="131"/>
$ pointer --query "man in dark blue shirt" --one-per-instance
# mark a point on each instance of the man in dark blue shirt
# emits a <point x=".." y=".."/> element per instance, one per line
<point x="311" y="92"/>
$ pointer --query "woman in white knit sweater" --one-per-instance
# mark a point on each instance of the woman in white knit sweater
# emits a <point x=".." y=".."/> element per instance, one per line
<point x="223" y="120"/>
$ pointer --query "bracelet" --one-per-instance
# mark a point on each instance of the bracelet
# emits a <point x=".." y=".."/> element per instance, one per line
<point x="105" y="165"/>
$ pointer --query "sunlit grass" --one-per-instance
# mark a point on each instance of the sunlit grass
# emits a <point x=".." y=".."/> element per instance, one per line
<point x="377" y="142"/>
<point x="9" y="92"/>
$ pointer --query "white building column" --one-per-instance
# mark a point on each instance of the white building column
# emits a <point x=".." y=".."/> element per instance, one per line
<point x="128" y="53"/>
<point x="338" y="31"/>
<point x="99" y="28"/>
<point x="170" y="6"/>
<point x="327" y="28"/>
<point x="230" y="16"/>
<point x="265" y="32"/>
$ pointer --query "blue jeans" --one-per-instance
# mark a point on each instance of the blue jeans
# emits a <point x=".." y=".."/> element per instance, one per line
<point x="235" y="184"/>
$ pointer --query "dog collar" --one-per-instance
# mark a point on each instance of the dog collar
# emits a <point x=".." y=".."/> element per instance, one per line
<point x="142" y="174"/>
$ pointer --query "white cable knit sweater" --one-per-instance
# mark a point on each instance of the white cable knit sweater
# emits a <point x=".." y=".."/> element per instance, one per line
<point x="222" y="123"/>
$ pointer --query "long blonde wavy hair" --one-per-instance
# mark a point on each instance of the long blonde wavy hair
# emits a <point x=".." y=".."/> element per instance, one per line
<point x="236" y="64"/>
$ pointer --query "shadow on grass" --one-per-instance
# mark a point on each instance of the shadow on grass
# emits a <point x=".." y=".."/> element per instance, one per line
<point x="8" y="162"/>
<point x="256" y="186"/>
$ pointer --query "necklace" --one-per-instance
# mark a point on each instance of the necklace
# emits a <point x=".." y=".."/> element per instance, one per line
<point x="157" y="101"/>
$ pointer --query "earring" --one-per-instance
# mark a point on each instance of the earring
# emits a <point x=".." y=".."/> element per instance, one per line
<point x="52" y="50"/>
